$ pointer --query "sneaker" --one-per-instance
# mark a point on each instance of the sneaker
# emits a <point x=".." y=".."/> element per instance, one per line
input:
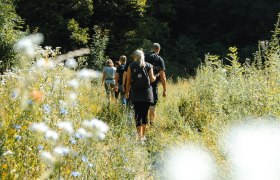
<point x="143" y="140"/>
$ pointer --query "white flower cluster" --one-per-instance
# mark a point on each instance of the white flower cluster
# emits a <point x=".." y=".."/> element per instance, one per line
<point x="98" y="125"/>
<point x="88" y="74"/>
<point x="96" y="128"/>
<point x="66" y="126"/>
<point x="43" y="128"/>
<point x="28" y="44"/>
<point x="190" y="162"/>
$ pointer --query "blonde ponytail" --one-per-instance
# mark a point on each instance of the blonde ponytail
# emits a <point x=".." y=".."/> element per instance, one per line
<point x="140" y="57"/>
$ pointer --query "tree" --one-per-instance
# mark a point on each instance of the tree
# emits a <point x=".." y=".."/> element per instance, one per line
<point x="98" y="46"/>
<point x="52" y="18"/>
<point x="10" y="25"/>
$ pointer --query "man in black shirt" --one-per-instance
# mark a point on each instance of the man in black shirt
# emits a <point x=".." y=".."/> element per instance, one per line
<point x="159" y="71"/>
<point x="119" y="78"/>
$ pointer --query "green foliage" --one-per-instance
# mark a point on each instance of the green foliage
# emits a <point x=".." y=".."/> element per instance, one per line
<point x="196" y="110"/>
<point x="52" y="18"/>
<point x="10" y="23"/>
<point x="121" y="18"/>
<point x="185" y="29"/>
<point x="79" y="35"/>
<point x="186" y="53"/>
<point x="98" y="45"/>
<point x="224" y="93"/>
<point x="45" y="97"/>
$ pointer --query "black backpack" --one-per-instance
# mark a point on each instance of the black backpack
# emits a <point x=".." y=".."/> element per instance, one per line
<point x="140" y="77"/>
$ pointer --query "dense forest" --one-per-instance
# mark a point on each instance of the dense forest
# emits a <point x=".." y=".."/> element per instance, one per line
<point x="186" y="29"/>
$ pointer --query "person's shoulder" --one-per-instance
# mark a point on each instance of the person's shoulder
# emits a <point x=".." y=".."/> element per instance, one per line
<point x="160" y="58"/>
<point x="148" y="64"/>
<point x="119" y="67"/>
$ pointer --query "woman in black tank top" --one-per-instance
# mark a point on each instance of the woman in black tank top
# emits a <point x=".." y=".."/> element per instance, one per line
<point x="137" y="90"/>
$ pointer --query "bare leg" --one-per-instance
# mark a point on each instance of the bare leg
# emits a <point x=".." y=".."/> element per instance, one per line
<point x="152" y="114"/>
<point x="143" y="130"/>
<point x="139" y="131"/>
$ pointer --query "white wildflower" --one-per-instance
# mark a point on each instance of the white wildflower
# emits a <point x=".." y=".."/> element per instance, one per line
<point x="63" y="151"/>
<point x="71" y="63"/>
<point x="8" y="153"/>
<point x="253" y="149"/>
<point x="66" y="126"/>
<point x="98" y="124"/>
<point x="40" y="127"/>
<point x="76" y="174"/>
<point x="73" y="96"/>
<point x="83" y="133"/>
<point x="62" y="104"/>
<point x="47" y="156"/>
<point x="45" y="64"/>
<point x="74" y="83"/>
<point x="28" y="43"/>
<point x="101" y="136"/>
<point x="52" y="135"/>
<point x="48" y="48"/>
<point x="190" y="162"/>
<point x="88" y="74"/>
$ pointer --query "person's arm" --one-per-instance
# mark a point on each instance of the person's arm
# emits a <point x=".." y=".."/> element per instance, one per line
<point x="117" y="76"/>
<point x="128" y="81"/>
<point x="151" y="75"/>
<point x="123" y="81"/>
<point x="163" y="81"/>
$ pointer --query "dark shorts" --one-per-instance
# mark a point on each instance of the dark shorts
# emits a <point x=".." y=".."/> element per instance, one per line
<point x="155" y="94"/>
<point x="141" y="112"/>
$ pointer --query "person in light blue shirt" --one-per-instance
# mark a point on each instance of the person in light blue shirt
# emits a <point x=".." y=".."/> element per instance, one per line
<point x="108" y="78"/>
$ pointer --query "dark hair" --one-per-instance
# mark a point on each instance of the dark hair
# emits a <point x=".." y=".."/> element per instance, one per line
<point x="156" y="46"/>
<point x="117" y="63"/>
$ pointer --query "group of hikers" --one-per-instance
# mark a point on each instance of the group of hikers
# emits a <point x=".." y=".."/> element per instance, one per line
<point x="137" y="82"/>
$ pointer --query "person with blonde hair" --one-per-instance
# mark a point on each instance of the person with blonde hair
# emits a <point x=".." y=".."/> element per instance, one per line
<point x="108" y="78"/>
<point x="138" y="89"/>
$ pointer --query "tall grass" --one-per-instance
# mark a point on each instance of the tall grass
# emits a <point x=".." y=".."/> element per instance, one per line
<point x="196" y="110"/>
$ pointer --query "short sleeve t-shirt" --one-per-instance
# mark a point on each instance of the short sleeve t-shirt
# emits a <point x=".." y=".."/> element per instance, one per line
<point x="109" y="74"/>
<point x="157" y="62"/>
